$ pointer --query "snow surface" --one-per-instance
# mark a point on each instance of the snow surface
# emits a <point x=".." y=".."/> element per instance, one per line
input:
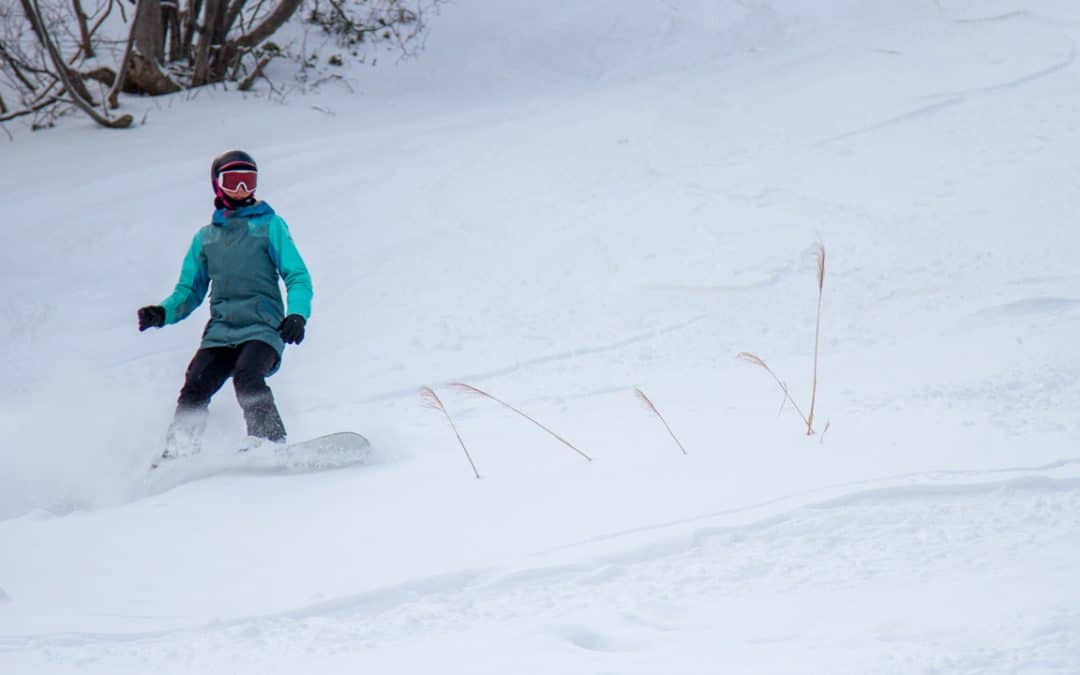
<point x="559" y="202"/>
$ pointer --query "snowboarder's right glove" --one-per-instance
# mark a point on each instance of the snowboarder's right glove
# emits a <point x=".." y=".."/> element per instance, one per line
<point x="151" y="316"/>
<point x="292" y="329"/>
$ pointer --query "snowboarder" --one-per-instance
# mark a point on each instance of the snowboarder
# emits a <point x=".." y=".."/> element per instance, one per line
<point x="238" y="257"/>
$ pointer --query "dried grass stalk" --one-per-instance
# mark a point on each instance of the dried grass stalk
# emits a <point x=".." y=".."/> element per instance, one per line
<point x="817" y="336"/>
<point x="757" y="361"/>
<point x="648" y="402"/>
<point x="432" y="400"/>
<point x="468" y="388"/>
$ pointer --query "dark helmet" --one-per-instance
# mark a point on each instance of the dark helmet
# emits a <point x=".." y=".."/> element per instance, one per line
<point x="233" y="159"/>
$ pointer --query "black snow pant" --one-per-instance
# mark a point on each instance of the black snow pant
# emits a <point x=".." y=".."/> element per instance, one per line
<point x="248" y="364"/>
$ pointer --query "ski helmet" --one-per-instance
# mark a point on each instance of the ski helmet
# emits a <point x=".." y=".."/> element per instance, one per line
<point x="233" y="160"/>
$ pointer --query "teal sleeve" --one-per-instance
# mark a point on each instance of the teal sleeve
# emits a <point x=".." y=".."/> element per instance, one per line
<point x="291" y="267"/>
<point x="192" y="286"/>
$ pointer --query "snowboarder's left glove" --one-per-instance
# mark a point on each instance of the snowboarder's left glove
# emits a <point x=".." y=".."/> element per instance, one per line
<point x="292" y="329"/>
<point x="151" y="316"/>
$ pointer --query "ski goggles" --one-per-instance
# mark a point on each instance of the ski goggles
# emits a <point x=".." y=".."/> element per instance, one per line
<point x="237" y="180"/>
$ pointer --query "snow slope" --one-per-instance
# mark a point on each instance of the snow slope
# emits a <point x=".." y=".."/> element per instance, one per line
<point x="558" y="204"/>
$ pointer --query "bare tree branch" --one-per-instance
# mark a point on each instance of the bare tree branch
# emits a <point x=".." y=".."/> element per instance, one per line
<point x="249" y="81"/>
<point x="101" y="19"/>
<point x="125" y="63"/>
<point x="85" y="45"/>
<point x="18" y="67"/>
<point x="104" y="75"/>
<point x="41" y="105"/>
<point x="32" y="8"/>
<point x="282" y="13"/>
<point x="70" y="78"/>
<point x="235" y="8"/>
<point x="245" y="26"/>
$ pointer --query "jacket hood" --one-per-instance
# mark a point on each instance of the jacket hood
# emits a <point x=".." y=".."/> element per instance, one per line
<point x="256" y="209"/>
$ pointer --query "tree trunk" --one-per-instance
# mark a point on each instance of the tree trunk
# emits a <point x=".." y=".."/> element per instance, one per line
<point x="191" y="24"/>
<point x="149" y="30"/>
<point x="213" y="16"/>
<point x="144" y="76"/>
<point x="220" y="56"/>
<point x="172" y="28"/>
<point x="143" y="72"/>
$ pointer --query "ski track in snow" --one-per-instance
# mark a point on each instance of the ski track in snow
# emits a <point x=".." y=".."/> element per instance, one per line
<point x="956" y="479"/>
<point x="1007" y="16"/>
<point x="912" y="539"/>
<point x="548" y="359"/>
<point x="953" y="99"/>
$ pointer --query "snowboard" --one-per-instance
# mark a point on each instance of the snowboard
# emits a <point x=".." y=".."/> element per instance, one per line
<point x="332" y="451"/>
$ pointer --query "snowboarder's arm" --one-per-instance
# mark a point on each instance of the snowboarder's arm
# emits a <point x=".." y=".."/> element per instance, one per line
<point x="291" y="267"/>
<point x="192" y="286"/>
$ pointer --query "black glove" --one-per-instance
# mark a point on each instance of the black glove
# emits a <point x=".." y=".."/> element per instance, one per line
<point x="292" y="329"/>
<point x="151" y="316"/>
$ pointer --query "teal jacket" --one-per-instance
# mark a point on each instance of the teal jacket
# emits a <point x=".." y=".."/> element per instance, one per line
<point x="239" y="257"/>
